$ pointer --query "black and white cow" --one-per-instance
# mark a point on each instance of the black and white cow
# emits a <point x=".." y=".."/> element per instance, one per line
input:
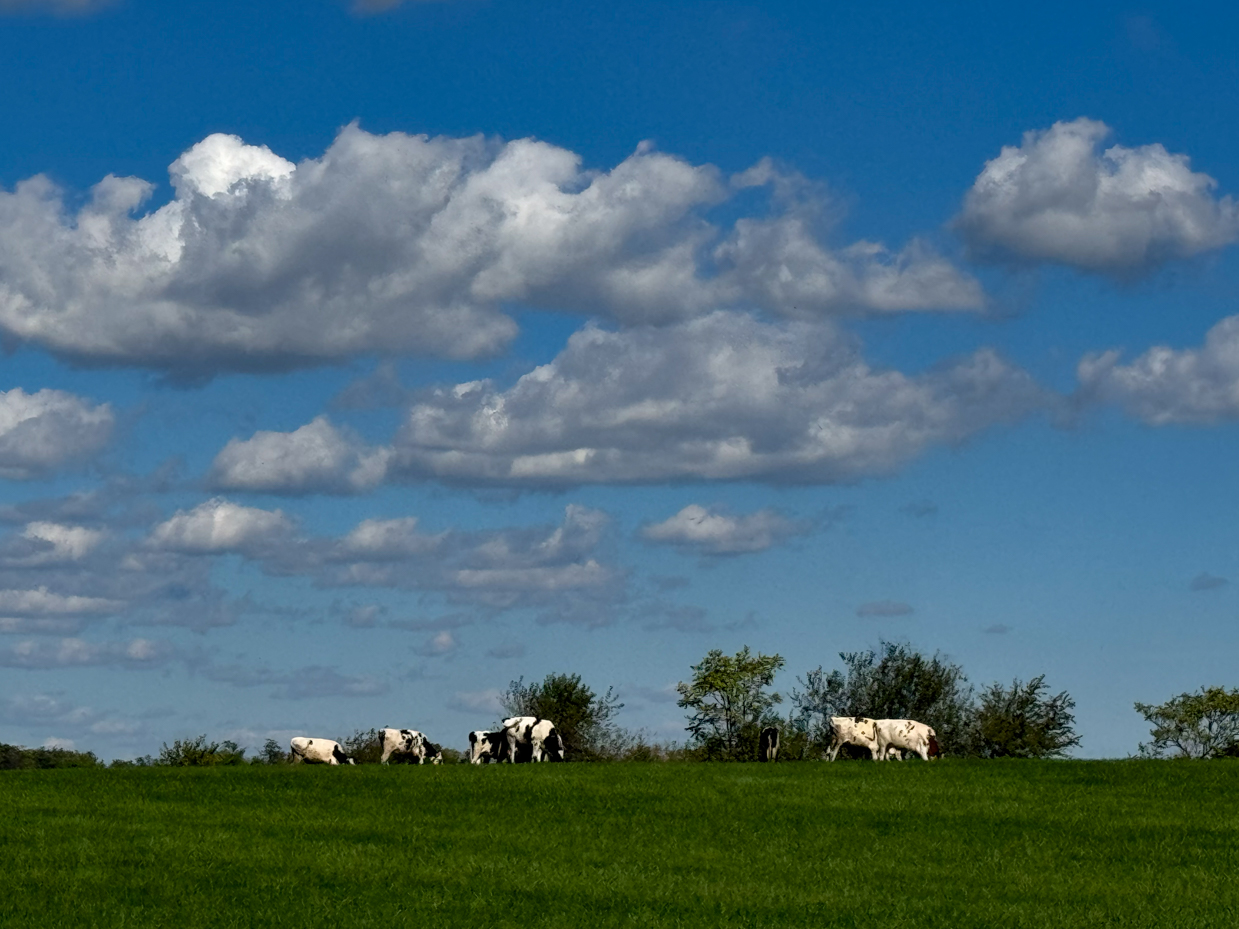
<point x="317" y="751"/>
<point x="768" y="745"/>
<point x="853" y="730"/>
<point x="487" y="746"/>
<point x="531" y="738"/>
<point x="407" y="743"/>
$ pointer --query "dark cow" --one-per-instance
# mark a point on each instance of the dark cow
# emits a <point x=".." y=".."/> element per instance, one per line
<point x="768" y="745"/>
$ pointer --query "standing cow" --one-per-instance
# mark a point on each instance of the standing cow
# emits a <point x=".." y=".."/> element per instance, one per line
<point x="907" y="735"/>
<point x="487" y="746"/>
<point x="531" y="738"/>
<point x="317" y="751"/>
<point x="408" y="743"/>
<point x="768" y="745"/>
<point x="853" y="730"/>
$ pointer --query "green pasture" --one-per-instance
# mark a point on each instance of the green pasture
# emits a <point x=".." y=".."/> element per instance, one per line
<point x="951" y="844"/>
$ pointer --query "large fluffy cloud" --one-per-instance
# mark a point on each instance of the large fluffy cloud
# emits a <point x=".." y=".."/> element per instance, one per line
<point x="403" y="244"/>
<point x="1057" y="197"/>
<point x="722" y="397"/>
<point x="1166" y="385"/>
<point x="49" y="428"/>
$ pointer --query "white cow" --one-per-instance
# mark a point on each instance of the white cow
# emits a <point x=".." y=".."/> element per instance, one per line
<point x="407" y="742"/>
<point x="908" y="735"/>
<point x="768" y="744"/>
<point x="532" y="739"/>
<point x="853" y="730"/>
<point x="487" y="746"/>
<point x="317" y="751"/>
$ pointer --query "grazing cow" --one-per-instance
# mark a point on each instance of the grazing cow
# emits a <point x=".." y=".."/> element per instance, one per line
<point x="908" y="735"/>
<point x="853" y="730"/>
<point x="487" y="746"/>
<point x="768" y="745"/>
<point x="532" y="739"/>
<point x="408" y="743"/>
<point x="317" y="751"/>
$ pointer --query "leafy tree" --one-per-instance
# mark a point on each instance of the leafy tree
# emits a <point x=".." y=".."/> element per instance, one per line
<point x="14" y="757"/>
<point x="1195" y="725"/>
<point x="584" y="719"/>
<point x="199" y="753"/>
<point x="729" y="702"/>
<point x="893" y="682"/>
<point x="1024" y="721"/>
<point x="272" y="752"/>
<point x="365" y="746"/>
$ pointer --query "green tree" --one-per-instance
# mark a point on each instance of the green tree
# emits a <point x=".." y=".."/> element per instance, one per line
<point x="585" y="720"/>
<point x="1024" y="721"/>
<point x="892" y="682"/>
<point x="1195" y="725"/>
<point x="199" y="753"/>
<point x="729" y="702"/>
<point x="272" y="752"/>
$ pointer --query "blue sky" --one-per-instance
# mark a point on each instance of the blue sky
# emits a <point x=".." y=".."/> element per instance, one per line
<point x="361" y="358"/>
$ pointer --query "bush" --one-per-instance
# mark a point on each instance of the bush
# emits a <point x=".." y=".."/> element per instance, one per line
<point x="14" y="757"/>
<point x="365" y="746"/>
<point x="272" y="752"/>
<point x="1023" y="722"/>
<point x="1203" y="725"/>
<point x="199" y="753"/>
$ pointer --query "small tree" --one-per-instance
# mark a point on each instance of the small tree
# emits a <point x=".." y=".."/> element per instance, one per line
<point x="1024" y="722"/>
<point x="729" y="702"/>
<point x="893" y="682"/>
<point x="272" y="752"/>
<point x="199" y="753"/>
<point x="365" y="746"/>
<point x="584" y="719"/>
<point x="1203" y="725"/>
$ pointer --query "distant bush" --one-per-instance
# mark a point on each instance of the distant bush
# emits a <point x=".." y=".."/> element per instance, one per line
<point x="365" y="746"/>
<point x="14" y="757"/>
<point x="199" y="753"/>
<point x="272" y="752"/>
<point x="1023" y="722"/>
<point x="1195" y="725"/>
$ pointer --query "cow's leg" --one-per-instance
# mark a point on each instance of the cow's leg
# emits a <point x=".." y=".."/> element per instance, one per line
<point x="833" y="752"/>
<point x="511" y="737"/>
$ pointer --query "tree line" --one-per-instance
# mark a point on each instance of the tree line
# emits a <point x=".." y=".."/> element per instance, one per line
<point x="728" y="701"/>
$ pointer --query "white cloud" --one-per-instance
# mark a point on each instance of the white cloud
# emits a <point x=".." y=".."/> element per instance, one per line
<point x="46" y="429"/>
<point x="54" y="543"/>
<point x="382" y="539"/>
<point x="43" y="602"/>
<point x="713" y="532"/>
<point x="401" y="244"/>
<point x="1166" y="385"/>
<point x="439" y="645"/>
<point x="316" y="457"/>
<point x="77" y="653"/>
<point x="220" y="526"/>
<point x="723" y="397"/>
<point x="1120" y="211"/>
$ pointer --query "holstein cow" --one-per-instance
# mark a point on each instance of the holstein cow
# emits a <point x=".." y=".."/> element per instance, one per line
<point x="532" y="739"/>
<point x="909" y="735"/>
<point x="487" y="746"/>
<point x="768" y="745"/>
<point x="853" y="730"/>
<point x="317" y="751"/>
<point x="409" y="743"/>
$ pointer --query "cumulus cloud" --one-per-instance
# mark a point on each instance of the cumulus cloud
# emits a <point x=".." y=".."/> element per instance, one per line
<point x="48" y="543"/>
<point x="884" y="608"/>
<point x="1166" y="385"/>
<point x="43" y="602"/>
<point x="79" y="653"/>
<point x="402" y="244"/>
<point x="710" y="531"/>
<point x="49" y="428"/>
<point x="317" y="457"/>
<point x="439" y="645"/>
<point x="722" y="397"/>
<point x="220" y="527"/>
<point x="1123" y="211"/>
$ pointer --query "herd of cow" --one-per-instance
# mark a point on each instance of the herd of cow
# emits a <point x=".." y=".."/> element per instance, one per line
<point x="531" y="739"/>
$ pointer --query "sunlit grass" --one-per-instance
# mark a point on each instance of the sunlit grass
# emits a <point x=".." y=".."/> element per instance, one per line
<point x="953" y="843"/>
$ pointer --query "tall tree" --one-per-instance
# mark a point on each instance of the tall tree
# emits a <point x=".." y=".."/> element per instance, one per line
<point x="893" y="682"/>
<point x="1195" y="725"/>
<point x="584" y="719"/>
<point x="729" y="701"/>
<point x="1024" y="721"/>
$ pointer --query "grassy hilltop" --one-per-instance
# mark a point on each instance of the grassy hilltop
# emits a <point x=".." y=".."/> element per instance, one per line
<point x="951" y="844"/>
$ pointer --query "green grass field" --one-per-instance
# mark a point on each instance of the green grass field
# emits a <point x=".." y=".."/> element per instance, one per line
<point x="956" y="844"/>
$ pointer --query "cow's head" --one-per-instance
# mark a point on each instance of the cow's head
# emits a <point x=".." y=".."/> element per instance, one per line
<point x="554" y="746"/>
<point x="432" y="751"/>
<point x="483" y="746"/>
<point x="934" y="751"/>
<point x="338" y="754"/>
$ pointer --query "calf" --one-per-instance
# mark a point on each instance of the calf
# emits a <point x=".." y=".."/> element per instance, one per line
<point x="407" y="743"/>
<point x="768" y="745"/>
<point x="531" y="738"/>
<point x="317" y="751"/>
<point x="908" y="735"/>
<point x="853" y="730"/>
<point x="487" y="746"/>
